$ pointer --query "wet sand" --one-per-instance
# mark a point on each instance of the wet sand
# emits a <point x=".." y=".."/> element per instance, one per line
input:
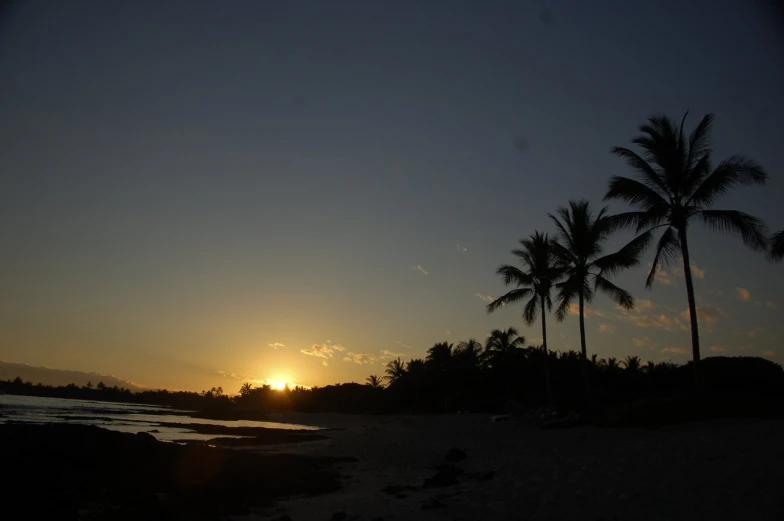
<point x="718" y="470"/>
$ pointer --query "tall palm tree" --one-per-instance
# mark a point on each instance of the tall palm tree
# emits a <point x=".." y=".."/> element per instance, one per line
<point x="501" y="344"/>
<point x="395" y="371"/>
<point x="676" y="185"/>
<point x="540" y="271"/>
<point x="374" y="381"/>
<point x="580" y="242"/>
<point x="246" y="388"/>
<point x="777" y="246"/>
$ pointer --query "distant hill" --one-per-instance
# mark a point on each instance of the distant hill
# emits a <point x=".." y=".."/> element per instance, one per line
<point x="48" y="376"/>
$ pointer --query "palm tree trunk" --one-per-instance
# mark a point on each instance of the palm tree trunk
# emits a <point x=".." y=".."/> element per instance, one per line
<point x="695" y="335"/>
<point x="547" y="385"/>
<point x="584" y="349"/>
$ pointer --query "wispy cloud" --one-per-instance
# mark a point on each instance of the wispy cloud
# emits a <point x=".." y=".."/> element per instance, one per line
<point x="324" y="363"/>
<point x="643" y="342"/>
<point x="752" y="333"/>
<point x="660" y="321"/>
<point x="772" y="305"/>
<point x="448" y="332"/>
<point x="276" y="345"/>
<point x="718" y="349"/>
<point x="574" y="309"/>
<point x="676" y="350"/>
<point x="323" y="350"/>
<point x="743" y="294"/>
<point x="486" y="298"/>
<point x="360" y="358"/>
<point x="606" y="328"/>
<point x="769" y="354"/>
<point x="420" y="269"/>
<point x="695" y="271"/>
<point x="398" y="342"/>
<point x="386" y="353"/>
<point x="461" y="248"/>
<point x="706" y="314"/>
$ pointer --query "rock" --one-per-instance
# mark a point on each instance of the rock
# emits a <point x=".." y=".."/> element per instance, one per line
<point x="455" y="454"/>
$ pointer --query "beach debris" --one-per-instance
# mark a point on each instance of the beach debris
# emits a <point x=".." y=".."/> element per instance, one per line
<point x="455" y="454"/>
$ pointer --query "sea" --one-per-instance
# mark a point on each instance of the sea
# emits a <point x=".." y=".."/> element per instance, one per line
<point x="124" y="417"/>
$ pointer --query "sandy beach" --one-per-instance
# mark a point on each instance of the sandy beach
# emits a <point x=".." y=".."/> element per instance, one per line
<point x="729" y="469"/>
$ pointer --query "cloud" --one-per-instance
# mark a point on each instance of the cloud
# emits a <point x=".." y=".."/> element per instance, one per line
<point x="743" y="294"/>
<point x="574" y="309"/>
<point x="706" y="314"/>
<point x="461" y="248"/>
<point x="770" y="354"/>
<point x="641" y="342"/>
<point x="718" y="349"/>
<point x="324" y="363"/>
<point x="752" y="333"/>
<point x="398" y="342"/>
<point x="486" y="298"/>
<point x="606" y="328"/>
<point x="448" y="332"/>
<point x="676" y="350"/>
<point x="772" y="305"/>
<point x="661" y="321"/>
<point x="662" y="277"/>
<point x="386" y="353"/>
<point x="695" y="271"/>
<point x="276" y="345"/>
<point x="419" y="268"/>
<point x="323" y="350"/>
<point x="360" y="358"/>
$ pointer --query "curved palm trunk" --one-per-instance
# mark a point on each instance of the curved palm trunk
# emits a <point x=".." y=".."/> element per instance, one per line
<point x="695" y="335"/>
<point x="547" y="385"/>
<point x="584" y="349"/>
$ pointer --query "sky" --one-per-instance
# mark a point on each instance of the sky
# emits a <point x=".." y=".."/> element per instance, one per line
<point x="200" y="193"/>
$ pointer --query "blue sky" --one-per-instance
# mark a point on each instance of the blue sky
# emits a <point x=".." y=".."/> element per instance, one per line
<point x="186" y="185"/>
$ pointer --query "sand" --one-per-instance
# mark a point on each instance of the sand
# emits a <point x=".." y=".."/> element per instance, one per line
<point x="729" y="469"/>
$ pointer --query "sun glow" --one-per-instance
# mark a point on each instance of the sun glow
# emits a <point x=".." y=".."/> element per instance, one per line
<point x="277" y="384"/>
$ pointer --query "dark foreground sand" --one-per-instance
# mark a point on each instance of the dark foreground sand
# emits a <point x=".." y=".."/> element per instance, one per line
<point x="718" y="470"/>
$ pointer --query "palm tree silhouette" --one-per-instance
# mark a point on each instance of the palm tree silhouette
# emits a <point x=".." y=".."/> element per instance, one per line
<point x="395" y="371"/>
<point x="501" y="344"/>
<point x="581" y="238"/>
<point x="777" y="246"/>
<point x="374" y="381"/>
<point x="469" y="353"/>
<point x="439" y="356"/>
<point x="246" y="388"/>
<point x="534" y="282"/>
<point x="675" y="185"/>
<point x="632" y="364"/>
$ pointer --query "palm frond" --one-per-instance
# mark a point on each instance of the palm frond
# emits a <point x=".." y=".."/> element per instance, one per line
<point x="531" y="310"/>
<point x="699" y="146"/>
<point x="619" y="296"/>
<point x="734" y="171"/>
<point x="515" y="295"/>
<point x="567" y="292"/>
<point x="635" y="221"/>
<point x="634" y="192"/>
<point x="777" y="246"/>
<point x="626" y="257"/>
<point x="666" y="251"/>
<point x="751" y="229"/>
<point x="650" y="177"/>
<point x="514" y="275"/>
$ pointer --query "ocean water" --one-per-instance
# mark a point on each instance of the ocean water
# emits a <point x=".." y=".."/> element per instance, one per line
<point x="124" y="417"/>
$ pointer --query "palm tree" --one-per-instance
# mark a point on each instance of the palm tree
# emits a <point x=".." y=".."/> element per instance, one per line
<point x="439" y="357"/>
<point x="540" y="271"/>
<point x="395" y="371"/>
<point x="246" y="389"/>
<point x="676" y="185"/>
<point x="581" y="238"/>
<point x="376" y="382"/>
<point x="632" y="364"/>
<point x="501" y="344"/>
<point x="777" y="246"/>
<point x="469" y="353"/>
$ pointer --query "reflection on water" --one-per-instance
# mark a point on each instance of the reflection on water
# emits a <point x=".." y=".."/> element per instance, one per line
<point x="124" y="417"/>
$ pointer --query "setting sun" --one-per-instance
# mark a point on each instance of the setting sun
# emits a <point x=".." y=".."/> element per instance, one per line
<point x="278" y="384"/>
